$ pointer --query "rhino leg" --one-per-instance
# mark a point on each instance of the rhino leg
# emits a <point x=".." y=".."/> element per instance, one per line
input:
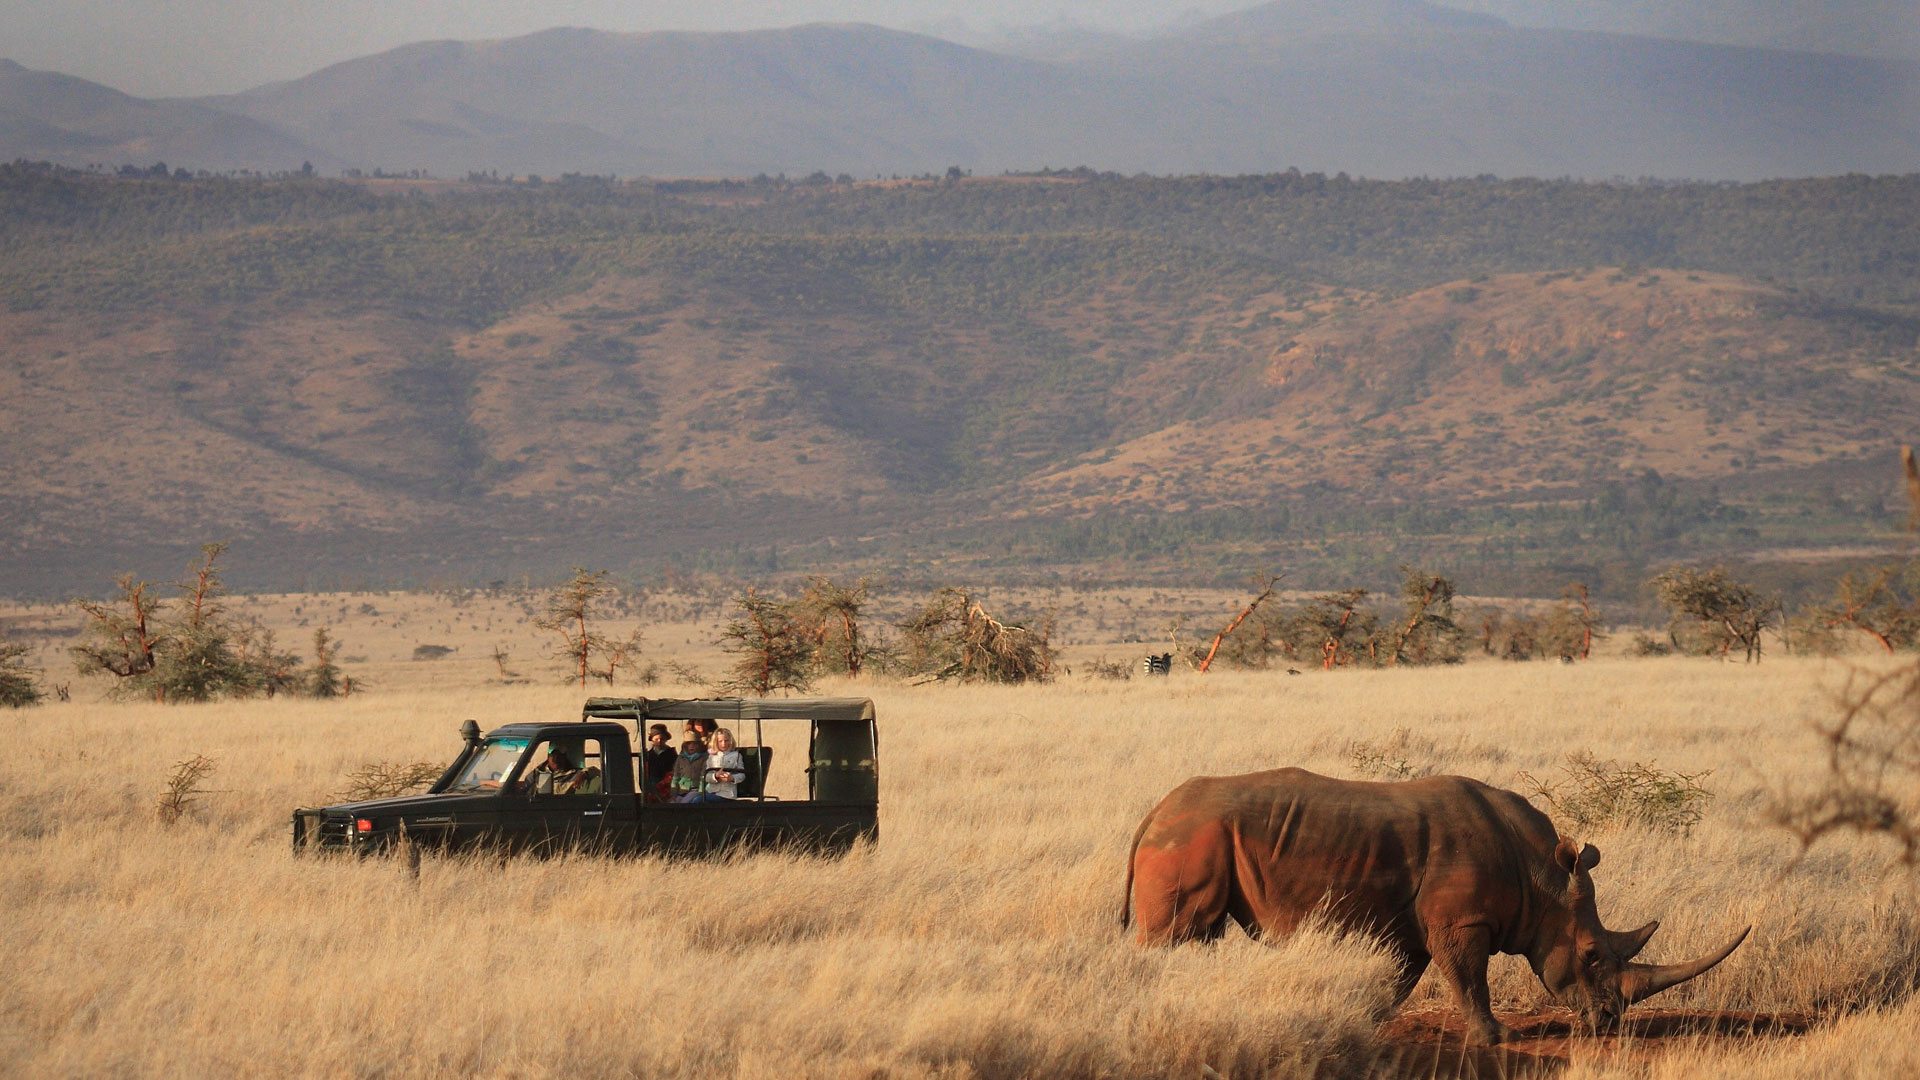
<point x="1412" y="966"/>
<point x="1461" y="954"/>
<point x="1180" y="892"/>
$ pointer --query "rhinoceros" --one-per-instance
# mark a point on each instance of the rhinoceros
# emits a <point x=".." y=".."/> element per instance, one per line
<point x="1443" y="870"/>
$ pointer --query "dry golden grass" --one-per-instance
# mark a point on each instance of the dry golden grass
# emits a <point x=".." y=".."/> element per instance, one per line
<point x="978" y="938"/>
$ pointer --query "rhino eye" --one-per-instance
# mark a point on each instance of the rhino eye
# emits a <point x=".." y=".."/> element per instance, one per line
<point x="1592" y="958"/>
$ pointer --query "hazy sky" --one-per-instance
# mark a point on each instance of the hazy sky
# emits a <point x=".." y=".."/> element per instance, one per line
<point x="170" y="47"/>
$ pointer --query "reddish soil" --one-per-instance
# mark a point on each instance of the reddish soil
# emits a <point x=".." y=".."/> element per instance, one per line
<point x="1430" y="1043"/>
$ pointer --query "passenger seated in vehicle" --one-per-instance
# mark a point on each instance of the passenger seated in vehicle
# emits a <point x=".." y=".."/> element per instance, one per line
<point x="688" y="767"/>
<point x="725" y="768"/>
<point x="656" y="764"/>
<point x="559" y="773"/>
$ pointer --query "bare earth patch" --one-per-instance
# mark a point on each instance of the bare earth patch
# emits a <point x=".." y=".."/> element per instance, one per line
<point x="1430" y="1041"/>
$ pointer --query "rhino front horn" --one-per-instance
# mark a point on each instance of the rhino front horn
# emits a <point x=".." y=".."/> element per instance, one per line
<point x="1641" y="981"/>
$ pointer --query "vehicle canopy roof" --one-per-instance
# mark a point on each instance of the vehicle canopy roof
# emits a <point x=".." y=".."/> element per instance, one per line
<point x="831" y="710"/>
<point x="531" y="730"/>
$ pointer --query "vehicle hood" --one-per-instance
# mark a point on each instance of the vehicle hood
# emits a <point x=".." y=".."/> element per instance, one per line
<point x="412" y="804"/>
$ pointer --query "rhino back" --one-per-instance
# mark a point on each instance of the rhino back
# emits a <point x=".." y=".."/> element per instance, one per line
<point x="1384" y="854"/>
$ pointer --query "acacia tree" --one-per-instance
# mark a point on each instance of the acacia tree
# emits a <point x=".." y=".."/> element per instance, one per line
<point x="205" y="654"/>
<point x="1252" y="648"/>
<point x="772" y="649"/>
<point x="1713" y="613"/>
<point x="190" y="649"/>
<point x="1340" y="626"/>
<point x="1573" y="625"/>
<point x="829" y="614"/>
<point x="269" y="669"/>
<point x="122" y="637"/>
<point x="568" y="612"/>
<point x="1566" y="631"/>
<point x="1883" y="604"/>
<point x="324" y="679"/>
<point x="1426" y="632"/>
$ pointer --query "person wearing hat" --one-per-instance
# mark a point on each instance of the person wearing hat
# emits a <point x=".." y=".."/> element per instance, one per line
<point x="560" y="773"/>
<point x="657" y="763"/>
<point x="689" y="766"/>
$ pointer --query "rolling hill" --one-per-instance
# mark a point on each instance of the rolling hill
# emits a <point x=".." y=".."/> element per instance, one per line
<point x="1004" y="375"/>
<point x="1386" y="88"/>
<point x="45" y="116"/>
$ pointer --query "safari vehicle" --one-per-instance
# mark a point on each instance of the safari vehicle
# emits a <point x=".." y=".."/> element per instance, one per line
<point x="820" y="791"/>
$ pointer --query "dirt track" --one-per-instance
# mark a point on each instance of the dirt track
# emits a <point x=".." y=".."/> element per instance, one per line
<point x="1430" y="1040"/>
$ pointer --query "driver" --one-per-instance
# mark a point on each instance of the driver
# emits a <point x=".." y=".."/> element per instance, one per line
<point x="560" y="773"/>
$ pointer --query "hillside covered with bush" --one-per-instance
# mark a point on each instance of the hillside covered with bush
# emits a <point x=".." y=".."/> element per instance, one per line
<point x="1075" y="373"/>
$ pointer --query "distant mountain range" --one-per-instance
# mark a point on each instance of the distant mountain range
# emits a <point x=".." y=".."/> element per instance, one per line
<point x="1383" y="88"/>
<point x="1885" y="28"/>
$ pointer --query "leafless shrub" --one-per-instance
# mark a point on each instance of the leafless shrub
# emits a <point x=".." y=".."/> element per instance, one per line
<point x="1591" y="793"/>
<point x="1112" y="670"/>
<point x="1391" y="758"/>
<point x="500" y="661"/>
<point x="183" y="788"/>
<point x="385" y="779"/>
<point x="1872" y="782"/>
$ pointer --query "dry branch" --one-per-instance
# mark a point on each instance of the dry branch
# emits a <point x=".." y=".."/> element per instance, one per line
<point x="183" y="788"/>
<point x="1265" y="595"/>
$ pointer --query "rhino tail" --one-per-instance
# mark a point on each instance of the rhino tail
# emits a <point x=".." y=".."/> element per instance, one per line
<point x="1126" y="898"/>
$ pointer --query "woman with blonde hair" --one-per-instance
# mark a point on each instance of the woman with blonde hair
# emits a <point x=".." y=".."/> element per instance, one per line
<point x="725" y="768"/>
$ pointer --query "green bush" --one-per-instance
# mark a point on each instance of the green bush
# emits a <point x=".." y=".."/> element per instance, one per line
<point x="19" y="686"/>
<point x="1591" y="793"/>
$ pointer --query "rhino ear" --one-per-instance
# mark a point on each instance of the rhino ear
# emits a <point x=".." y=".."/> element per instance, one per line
<point x="1589" y="857"/>
<point x="1564" y="854"/>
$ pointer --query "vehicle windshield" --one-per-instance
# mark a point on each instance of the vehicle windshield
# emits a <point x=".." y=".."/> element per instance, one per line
<point x="490" y="766"/>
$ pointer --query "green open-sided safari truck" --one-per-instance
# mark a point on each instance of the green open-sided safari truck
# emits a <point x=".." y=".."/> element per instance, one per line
<point x="812" y="780"/>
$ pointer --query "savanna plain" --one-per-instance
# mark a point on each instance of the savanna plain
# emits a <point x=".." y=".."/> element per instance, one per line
<point x="979" y="937"/>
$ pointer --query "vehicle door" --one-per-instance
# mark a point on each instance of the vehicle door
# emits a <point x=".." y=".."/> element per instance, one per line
<point x="558" y="797"/>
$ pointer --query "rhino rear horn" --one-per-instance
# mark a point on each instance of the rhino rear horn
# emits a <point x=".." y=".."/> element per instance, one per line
<point x="1628" y="943"/>
<point x="1641" y="981"/>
